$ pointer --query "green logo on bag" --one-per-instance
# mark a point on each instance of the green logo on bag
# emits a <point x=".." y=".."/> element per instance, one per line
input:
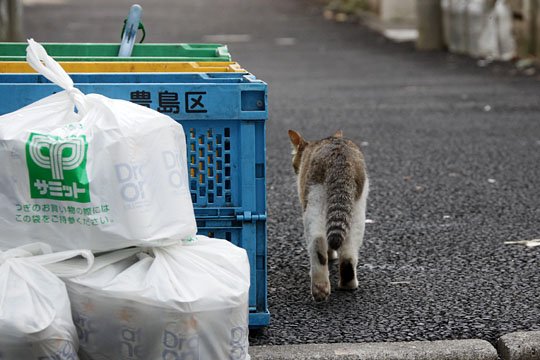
<point x="57" y="167"/>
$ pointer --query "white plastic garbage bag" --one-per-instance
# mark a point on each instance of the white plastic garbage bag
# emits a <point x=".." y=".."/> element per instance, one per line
<point x="496" y="40"/>
<point x="35" y="314"/>
<point x="184" y="301"/>
<point x="455" y="24"/>
<point x="480" y="28"/>
<point x="507" y="43"/>
<point x="478" y="12"/>
<point x="110" y="176"/>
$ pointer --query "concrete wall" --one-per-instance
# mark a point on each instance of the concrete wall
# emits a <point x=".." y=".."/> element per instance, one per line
<point x="398" y="11"/>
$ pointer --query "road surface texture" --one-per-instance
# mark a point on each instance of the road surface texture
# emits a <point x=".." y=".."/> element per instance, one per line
<point x="452" y="150"/>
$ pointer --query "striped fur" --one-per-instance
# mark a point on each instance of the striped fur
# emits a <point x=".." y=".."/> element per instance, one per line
<point x="340" y="189"/>
<point x="332" y="186"/>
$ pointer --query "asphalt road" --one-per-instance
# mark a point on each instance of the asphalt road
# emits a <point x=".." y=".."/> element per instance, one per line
<point x="452" y="149"/>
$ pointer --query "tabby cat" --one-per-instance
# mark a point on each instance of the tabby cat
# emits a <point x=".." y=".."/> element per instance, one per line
<point x="333" y="188"/>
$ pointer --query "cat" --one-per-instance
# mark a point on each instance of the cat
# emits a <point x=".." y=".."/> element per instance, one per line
<point x="333" y="187"/>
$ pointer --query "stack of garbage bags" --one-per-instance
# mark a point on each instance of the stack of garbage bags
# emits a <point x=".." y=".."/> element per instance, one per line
<point x="99" y="257"/>
<point x="480" y="28"/>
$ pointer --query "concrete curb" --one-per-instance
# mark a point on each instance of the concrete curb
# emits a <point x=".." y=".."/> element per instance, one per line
<point x="520" y="346"/>
<point x="415" y="350"/>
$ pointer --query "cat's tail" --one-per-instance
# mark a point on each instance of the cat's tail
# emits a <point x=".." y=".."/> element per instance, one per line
<point x="341" y="189"/>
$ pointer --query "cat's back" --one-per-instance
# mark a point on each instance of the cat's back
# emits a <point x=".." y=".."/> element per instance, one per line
<point x="333" y="158"/>
<point x="335" y="149"/>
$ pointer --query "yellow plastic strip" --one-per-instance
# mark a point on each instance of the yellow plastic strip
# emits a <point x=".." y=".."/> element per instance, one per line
<point x="128" y="67"/>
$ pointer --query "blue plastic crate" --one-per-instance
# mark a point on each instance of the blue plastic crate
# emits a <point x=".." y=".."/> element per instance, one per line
<point x="223" y="115"/>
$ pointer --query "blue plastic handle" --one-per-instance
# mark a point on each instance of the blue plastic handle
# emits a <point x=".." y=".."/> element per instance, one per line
<point x="130" y="33"/>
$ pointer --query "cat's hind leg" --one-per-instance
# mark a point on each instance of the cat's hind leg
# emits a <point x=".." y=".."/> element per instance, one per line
<point x="315" y="234"/>
<point x="348" y="260"/>
<point x="348" y="252"/>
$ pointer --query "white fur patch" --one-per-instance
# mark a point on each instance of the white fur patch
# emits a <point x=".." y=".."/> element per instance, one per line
<point x="315" y="213"/>
<point x="359" y="220"/>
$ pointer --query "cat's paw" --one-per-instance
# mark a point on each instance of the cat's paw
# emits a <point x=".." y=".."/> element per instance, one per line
<point x="320" y="291"/>
<point x="347" y="275"/>
<point x="348" y="286"/>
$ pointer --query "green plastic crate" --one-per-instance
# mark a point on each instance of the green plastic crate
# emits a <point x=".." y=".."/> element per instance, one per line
<point x="109" y="52"/>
